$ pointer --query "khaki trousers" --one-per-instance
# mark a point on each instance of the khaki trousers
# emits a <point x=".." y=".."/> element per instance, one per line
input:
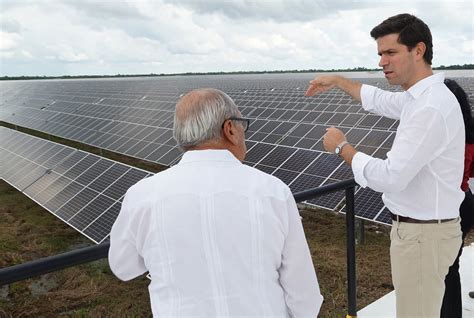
<point x="420" y="256"/>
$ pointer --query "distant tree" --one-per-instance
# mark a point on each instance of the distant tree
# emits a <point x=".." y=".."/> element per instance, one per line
<point x="355" y="69"/>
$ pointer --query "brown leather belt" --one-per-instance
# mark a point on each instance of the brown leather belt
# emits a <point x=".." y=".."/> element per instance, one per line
<point x="406" y="219"/>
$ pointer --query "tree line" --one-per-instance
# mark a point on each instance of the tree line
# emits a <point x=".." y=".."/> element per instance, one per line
<point x="355" y="69"/>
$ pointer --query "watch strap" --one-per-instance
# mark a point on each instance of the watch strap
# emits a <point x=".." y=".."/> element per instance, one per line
<point x="340" y="146"/>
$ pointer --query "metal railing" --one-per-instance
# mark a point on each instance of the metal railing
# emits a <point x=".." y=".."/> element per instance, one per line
<point x="88" y="254"/>
<point x="349" y="187"/>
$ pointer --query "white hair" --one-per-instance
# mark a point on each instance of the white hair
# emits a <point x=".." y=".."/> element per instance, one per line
<point x="199" y="117"/>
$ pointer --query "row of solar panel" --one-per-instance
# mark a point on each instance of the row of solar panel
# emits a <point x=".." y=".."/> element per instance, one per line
<point x="133" y="117"/>
<point x="121" y="136"/>
<point x="303" y="169"/>
<point x="141" y="135"/>
<point x="85" y="190"/>
<point x="157" y="144"/>
<point x="159" y="114"/>
<point x="267" y="87"/>
<point x="82" y="189"/>
<point x="282" y="87"/>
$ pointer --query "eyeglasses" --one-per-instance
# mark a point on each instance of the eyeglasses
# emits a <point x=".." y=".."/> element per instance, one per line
<point x="245" y="122"/>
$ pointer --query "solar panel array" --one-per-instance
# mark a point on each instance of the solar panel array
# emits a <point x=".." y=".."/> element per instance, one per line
<point x="134" y="117"/>
<point x="82" y="189"/>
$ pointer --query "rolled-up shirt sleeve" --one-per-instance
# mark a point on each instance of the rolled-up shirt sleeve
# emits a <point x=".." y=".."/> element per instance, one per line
<point x="297" y="275"/>
<point x="359" y="161"/>
<point x="421" y="139"/>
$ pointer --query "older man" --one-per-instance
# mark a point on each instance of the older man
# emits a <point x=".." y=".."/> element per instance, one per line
<point x="219" y="238"/>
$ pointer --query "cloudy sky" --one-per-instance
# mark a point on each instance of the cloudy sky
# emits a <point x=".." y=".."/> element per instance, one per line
<point x="75" y="37"/>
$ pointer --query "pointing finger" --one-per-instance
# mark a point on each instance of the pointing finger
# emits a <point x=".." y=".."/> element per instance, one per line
<point x="311" y="90"/>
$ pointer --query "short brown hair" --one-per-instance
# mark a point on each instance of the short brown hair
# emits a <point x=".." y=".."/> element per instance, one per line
<point x="411" y="31"/>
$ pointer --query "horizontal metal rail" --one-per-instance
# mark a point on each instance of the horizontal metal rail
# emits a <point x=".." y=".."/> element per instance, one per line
<point x="326" y="189"/>
<point x="88" y="254"/>
<point x="53" y="263"/>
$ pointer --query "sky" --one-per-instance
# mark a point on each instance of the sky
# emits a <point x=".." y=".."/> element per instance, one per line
<point x="108" y="37"/>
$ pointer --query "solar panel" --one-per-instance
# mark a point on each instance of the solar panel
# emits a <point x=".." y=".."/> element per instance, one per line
<point x="366" y="204"/>
<point x="331" y="200"/>
<point x="100" y="227"/>
<point x="134" y="117"/>
<point x="305" y="182"/>
<point x="384" y="216"/>
<point x="82" y="189"/>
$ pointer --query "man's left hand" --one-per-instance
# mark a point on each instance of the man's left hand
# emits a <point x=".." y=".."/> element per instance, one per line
<point x="332" y="139"/>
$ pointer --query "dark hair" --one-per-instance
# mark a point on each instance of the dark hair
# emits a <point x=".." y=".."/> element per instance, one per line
<point x="411" y="31"/>
<point x="463" y="100"/>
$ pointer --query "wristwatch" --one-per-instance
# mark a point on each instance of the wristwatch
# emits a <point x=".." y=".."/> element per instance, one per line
<point x="339" y="147"/>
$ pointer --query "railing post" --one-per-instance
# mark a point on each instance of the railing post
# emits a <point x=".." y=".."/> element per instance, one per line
<point x="351" y="265"/>
<point x="360" y="231"/>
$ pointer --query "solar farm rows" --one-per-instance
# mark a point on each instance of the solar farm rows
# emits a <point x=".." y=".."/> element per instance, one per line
<point x="135" y="117"/>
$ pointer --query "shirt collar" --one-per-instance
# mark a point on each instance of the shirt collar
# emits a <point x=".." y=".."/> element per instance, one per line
<point x="419" y="87"/>
<point x="209" y="155"/>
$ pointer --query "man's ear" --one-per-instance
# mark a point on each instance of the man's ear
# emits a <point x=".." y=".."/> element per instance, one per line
<point x="420" y="50"/>
<point x="229" y="132"/>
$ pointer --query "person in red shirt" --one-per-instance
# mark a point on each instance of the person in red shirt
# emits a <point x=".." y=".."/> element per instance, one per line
<point x="452" y="305"/>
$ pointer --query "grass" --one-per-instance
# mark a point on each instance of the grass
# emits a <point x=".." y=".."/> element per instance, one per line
<point x="29" y="232"/>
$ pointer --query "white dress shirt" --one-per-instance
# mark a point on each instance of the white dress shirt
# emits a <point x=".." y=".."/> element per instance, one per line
<point x="421" y="176"/>
<point x="219" y="239"/>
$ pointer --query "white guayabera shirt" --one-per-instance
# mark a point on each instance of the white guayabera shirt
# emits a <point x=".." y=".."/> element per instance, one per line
<point x="423" y="171"/>
<point x="219" y="238"/>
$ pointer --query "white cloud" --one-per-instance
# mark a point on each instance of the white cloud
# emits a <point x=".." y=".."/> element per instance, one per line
<point x="26" y="54"/>
<point x="132" y="37"/>
<point x="6" y="55"/>
<point x="468" y="47"/>
<point x="9" y="26"/>
<point x="68" y="54"/>
<point x="9" y="41"/>
<point x="276" y="10"/>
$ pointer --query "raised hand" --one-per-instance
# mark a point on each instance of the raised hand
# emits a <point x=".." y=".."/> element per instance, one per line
<point x="321" y="84"/>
